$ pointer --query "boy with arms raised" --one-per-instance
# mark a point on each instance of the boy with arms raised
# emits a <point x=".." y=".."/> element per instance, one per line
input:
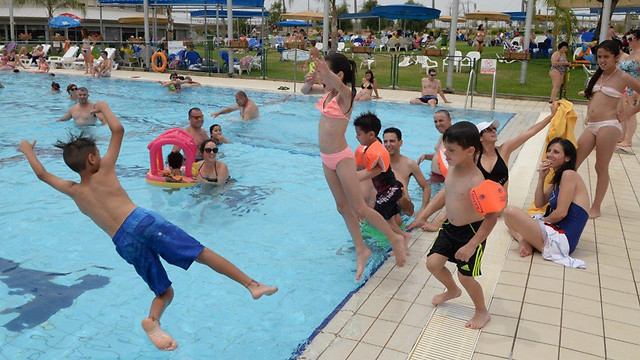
<point x="462" y="237"/>
<point x="138" y="234"/>
<point x="375" y="161"/>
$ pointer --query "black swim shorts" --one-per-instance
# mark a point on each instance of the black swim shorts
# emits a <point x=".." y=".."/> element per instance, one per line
<point x="426" y="98"/>
<point x="451" y="238"/>
<point x="387" y="201"/>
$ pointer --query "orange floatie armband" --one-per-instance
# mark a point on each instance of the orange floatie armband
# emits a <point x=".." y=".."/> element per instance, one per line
<point x="443" y="165"/>
<point x="368" y="157"/>
<point x="488" y="197"/>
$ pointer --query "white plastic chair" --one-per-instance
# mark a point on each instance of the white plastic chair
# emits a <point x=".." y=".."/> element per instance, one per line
<point x="79" y="63"/>
<point x="111" y="52"/>
<point x="426" y="63"/>
<point x="589" y="73"/>
<point x="436" y="44"/>
<point x="341" y="46"/>
<point x="468" y="61"/>
<point x="383" y="43"/>
<point x="65" y="60"/>
<point x="456" y="61"/>
<point x="576" y="52"/>
<point x="404" y="44"/>
<point x="517" y="40"/>
<point x="391" y="44"/>
<point x="501" y="59"/>
<point x="540" y="39"/>
<point x="406" y="61"/>
<point x="366" y="59"/>
<point x="319" y="46"/>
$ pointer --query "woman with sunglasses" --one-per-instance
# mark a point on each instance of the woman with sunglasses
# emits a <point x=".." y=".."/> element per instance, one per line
<point x="631" y="65"/>
<point x="492" y="161"/>
<point x="369" y="85"/>
<point x="71" y="90"/>
<point x="211" y="170"/>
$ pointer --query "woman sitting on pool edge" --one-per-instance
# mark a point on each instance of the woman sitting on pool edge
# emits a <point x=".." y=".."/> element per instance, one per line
<point x="556" y="233"/>
<point x="211" y="170"/>
<point x="215" y="131"/>
<point x="369" y="85"/>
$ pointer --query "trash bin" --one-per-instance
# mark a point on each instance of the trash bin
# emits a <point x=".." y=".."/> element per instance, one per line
<point x="445" y="39"/>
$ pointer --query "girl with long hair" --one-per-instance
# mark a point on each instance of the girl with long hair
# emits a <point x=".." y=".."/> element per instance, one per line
<point x="631" y="65"/>
<point x="369" y="86"/>
<point x="88" y="42"/>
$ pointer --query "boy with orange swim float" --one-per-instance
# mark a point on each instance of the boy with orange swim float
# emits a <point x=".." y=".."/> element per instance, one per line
<point x="138" y="234"/>
<point x="462" y="237"/>
<point x="375" y="161"/>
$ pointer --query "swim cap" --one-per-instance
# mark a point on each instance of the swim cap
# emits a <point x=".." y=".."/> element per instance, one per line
<point x="373" y="155"/>
<point x="443" y="165"/>
<point x="172" y="87"/>
<point x="488" y="197"/>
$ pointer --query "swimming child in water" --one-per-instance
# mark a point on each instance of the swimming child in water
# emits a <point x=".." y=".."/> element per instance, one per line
<point x="337" y="73"/>
<point x="215" y="132"/>
<point x="174" y="172"/>
<point x="55" y="87"/>
<point x="140" y="235"/>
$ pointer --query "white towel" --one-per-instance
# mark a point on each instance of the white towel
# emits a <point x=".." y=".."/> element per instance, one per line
<point x="556" y="246"/>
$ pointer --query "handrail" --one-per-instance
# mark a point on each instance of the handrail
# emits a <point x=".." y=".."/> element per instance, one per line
<point x="471" y="79"/>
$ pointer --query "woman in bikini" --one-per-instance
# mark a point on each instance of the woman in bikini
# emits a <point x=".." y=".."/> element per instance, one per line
<point x="480" y="35"/>
<point x="337" y="73"/>
<point x="88" y="42"/>
<point x="631" y="65"/>
<point x="492" y="161"/>
<point x="211" y="170"/>
<point x="603" y="119"/>
<point x="559" y="65"/>
<point x="369" y="85"/>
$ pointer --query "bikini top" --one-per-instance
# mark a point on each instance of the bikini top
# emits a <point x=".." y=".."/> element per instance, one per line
<point x="368" y="87"/>
<point x="607" y="90"/>
<point x="215" y="179"/>
<point x="332" y="109"/>
<point x="499" y="173"/>
<point x="631" y="67"/>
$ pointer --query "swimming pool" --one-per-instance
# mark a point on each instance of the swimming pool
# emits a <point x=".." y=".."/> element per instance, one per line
<point x="64" y="291"/>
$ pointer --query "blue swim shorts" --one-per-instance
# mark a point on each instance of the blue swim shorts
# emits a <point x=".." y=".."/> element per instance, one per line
<point x="143" y="236"/>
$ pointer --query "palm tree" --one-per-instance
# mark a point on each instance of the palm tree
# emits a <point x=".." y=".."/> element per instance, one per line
<point x="614" y="3"/>
<point x="52" y="6"/>
<point x="169" y="23"/>
<point x="284" y="7"/>
<point x="564" y="19"/>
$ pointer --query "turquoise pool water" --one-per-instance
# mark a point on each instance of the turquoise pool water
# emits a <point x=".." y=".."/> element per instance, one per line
<point x="65" y="292"/>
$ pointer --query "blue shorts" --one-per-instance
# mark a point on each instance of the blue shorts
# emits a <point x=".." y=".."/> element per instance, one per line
<point x="143" y="236"/>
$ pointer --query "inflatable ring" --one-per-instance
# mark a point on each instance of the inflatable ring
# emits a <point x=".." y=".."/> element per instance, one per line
<point x="154" y="64"/>
<point x="183" y="140"/>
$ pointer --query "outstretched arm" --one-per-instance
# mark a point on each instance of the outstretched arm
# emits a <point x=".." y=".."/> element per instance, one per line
<point x="226" y="110"/>
<point x="434" y="205"/>
<point x="442" y="93"/>
<point x="117" y="133"/>
<point x="511" y="145"/>
<point x="64" y="186"/>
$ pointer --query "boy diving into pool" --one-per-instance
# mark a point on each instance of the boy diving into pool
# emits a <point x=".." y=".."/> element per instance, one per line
<point x="140" y="235"/>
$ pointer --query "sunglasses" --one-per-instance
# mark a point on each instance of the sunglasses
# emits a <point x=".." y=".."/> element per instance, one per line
<point x="197" y="117"/>
<point x="211" y="150"/>
<point x="432" y="74"/>
<point x="73" y="89"/>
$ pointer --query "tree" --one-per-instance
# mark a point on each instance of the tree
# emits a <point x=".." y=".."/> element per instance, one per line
<point x="564" y="19"/>
<point x="345" y="25"/>
<point x="275" y="15"/>
<point x="334" y="26"/>
<point x="53" y="5"/>
<point x="614" y="3"/>
<point x="372" y="23"/>
<point x="415" y="25"/>
<point x="170" y="35"/>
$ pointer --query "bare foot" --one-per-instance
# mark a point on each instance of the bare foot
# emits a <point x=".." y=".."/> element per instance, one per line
<point x="594" y="213"/>
<point x="446" y="296"/>
<point x="257" y="289"/>
<point x="158" y="337"/>
<point x="624" y="144"/>
<point x="399" y="251"/>
<point x="431" y="227"/>
<point x="361" y="262"/>
<point x="479" y="320"/>
<point x="407" y="239"/>
<point x="525" y="249"/>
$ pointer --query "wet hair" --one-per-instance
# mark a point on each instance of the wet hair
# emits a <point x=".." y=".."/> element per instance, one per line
<point x="195" y="108"/>
<point x="180" y="77"/>
<point x="52" y="74"/>
<point x="570" y="151"/>
<point x="445" y="112"/>
<point x="393" y="130"/>
<point x="339" y="62"/>
<point x="242" y="94"/>
<point x="173" y="74"/>
<point x="16" y="71"/>
<point x="367" y="122"/>
<point x="76" y="150"/>
<point x="313" y="43"/>
<point x="433" y="71"/>
<point x="480" y="27"/>
<point x="563" y="44"/>
<point x="213" y="126"/>
<point x="204" y="143"/>
<point x="83" y="89"/>
<point x="175" y="159"/>
<point x="464" y="134"/>
<point x="55" y="86"/>
<point x="71" y="86"/>
<point x="610" y="46"/>
<point x="177" y="86"/>
<point x="105" y="53"/>
<point x="369" y="72"/>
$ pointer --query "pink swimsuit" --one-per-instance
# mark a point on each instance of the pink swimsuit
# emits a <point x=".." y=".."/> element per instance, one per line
<point x="332" y="110"/>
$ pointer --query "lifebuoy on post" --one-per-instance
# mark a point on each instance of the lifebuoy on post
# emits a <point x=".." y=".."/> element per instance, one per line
<point x="154" y="63"/>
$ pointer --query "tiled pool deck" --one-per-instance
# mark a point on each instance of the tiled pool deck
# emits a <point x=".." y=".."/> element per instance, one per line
<point x="540" y="310"/>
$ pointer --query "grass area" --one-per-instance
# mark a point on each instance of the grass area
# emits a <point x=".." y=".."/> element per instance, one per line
<point x="537" y="83"/>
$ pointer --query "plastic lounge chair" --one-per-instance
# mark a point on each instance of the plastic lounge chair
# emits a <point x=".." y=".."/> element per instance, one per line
<point x="65" y="60"/>
<point x="501" y="59"/>
<point x="129" y="60"/>
<point x="341" y="46"/>
<point x="406" y="61"/>
<point x="224" y="55"/>
<point x="79" y="63"/>
<point x="456" y="61"/>
<point x="111" y="53"/>
<point x="319" y="46"/>
<point x="366" y="59"/>
<point x="404" y="44"/>
<point x="589" y="73"/>
<point x="391" y="44"/>
<point x="426" y="63"/>
<point x="473" y="57"/>
<point x="256" y="62"/>
<point x="192" y="57"/>
<point x="244" y="64"/>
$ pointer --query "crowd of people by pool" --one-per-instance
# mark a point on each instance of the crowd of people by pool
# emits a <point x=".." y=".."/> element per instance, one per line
<point x="371" y="183"/>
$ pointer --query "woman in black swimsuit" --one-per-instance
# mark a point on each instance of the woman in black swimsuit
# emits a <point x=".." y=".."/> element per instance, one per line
<point x="369" y="85"/>
<point x="211" y="170"/>
<point x="480" y="35"/>
<point x="492" y="161"/>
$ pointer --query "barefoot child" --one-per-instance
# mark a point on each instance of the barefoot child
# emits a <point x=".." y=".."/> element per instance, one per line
<point x="335" y="72"/>
<point x="462" y="237"/>
<point x="375" y="161"/>
<point x="138" y="234"/>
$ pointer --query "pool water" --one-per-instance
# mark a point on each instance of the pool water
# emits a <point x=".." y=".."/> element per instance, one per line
<point x="65" y="292"/>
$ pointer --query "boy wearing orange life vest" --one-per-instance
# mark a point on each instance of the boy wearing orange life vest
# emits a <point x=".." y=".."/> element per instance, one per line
<point x="462" y="237"/>
<point x="374" y="159"/>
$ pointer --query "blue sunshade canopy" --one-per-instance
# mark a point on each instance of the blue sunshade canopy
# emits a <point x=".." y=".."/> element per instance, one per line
<point x="292" y="23"/>
<point x="64" y="22"/>
<point x="238" y="3"/>
<point x="517" y="15"/>
<point x="410" y="12"/>
<point x="241" y="14"/>
<point x="362" y="15"/>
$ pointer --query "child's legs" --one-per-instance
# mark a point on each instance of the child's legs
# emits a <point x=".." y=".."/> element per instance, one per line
<point x="523" y="225"/>
<point x="160" y="302"/>
<point x="223" y="266"/>
<point x="349" y="216"/>
<point x="586" y="144"/>
<point x="435" y="265"/>
<point x="605" y="146"/>
<point x="475" y="291"/>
